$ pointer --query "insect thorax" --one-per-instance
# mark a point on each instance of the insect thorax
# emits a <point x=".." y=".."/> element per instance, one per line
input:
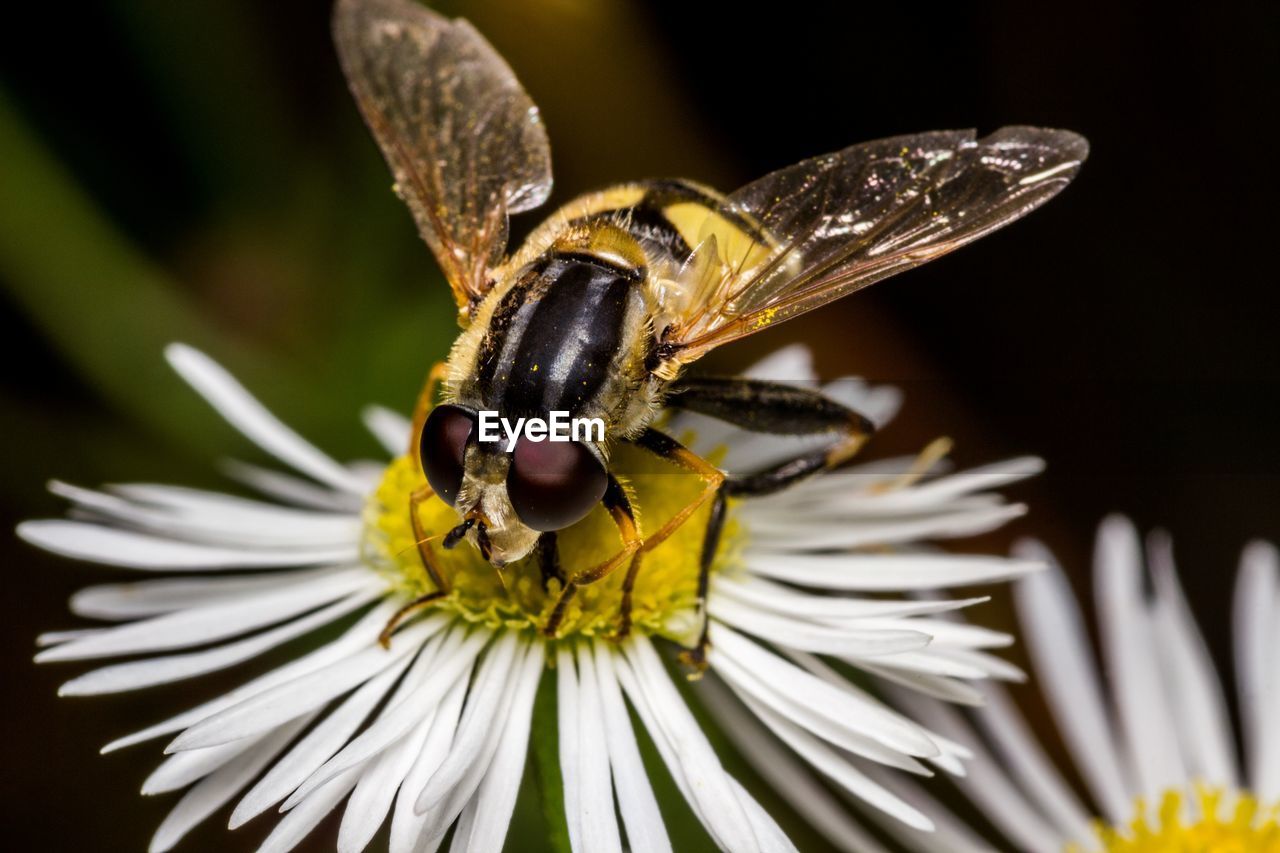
<point x="570" y="323"/>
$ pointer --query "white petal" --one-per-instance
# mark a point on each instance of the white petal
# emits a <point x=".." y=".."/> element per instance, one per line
<point x="685" y="750"/>
<point x="408" y="827"/>
<point x="1124" y="627"/>
<point x="389" y="427"/>
<point x="997" y="795"/>
<point x="568" y="699"/>
<point x="842" y="716"/>
<point x="944" y="687"/>
<point x="319" y="744"/>
<point x="646" y="832"/>
<point x="771" y="837"/>
<point x="53" y="638"/>
<point x="387" y="732"/>
<point x="251" y="418"/>
<point x="298" y="823"/>
<point x="491" y="808"/>
<point x="879" y="403"/>
<point x="1035" y="774"/>
<point x="947" y="753"/>
<point x="926" y="660"/>
<point x="198" y="516"/>
<point x="940" y="491"/>
<point x="1058" y="644"/>
<point x="371" y="801"/>
<point x="457" y="798"/>
<point x="835" y="767"/>
<point x="845" y="737"/>
<point x="786" y="775"/>
<point x="807" y="530"/>
<point x="988" y="665"/>
<point x="862" y="489"/>
<point x="377" y="787"/>
<point x="942" y="632"/>
<point x="813" y="637"/>
<point x="478" y="720"/>
<point x="291" y="489"/>
<point x="1200" y="708"/>
<point x="595" y="790"/>
<point x="137" y="599"/>
<point x="791" y="363"/>
<point x="786" y="600"/>
<point x="148" y="673"/>
<point x="1257" y="600"/>
<point x="453" y="662"/>
<point x="886" y="572"/>
<point x="214" y="622"/>
<point x="112" y="547"/>
<point x="357" y="637"/>
<point x="296" y="697"/>
<point x="192" y="501"/>
<point x="212" y="792"/>
<point x="950" y="834"/>
<point x="179" y="771"/>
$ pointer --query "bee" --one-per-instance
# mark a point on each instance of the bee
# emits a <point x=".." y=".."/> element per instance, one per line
<point x="607" y="302"/>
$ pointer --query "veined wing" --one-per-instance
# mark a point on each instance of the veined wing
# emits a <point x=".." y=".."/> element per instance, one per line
<point x="463" y="139"/>
<point x="836" y="223"/>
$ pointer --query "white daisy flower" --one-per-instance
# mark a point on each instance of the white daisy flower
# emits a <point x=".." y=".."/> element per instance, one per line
<point x="432" y="732"/>
<point x="1153" y="741"/>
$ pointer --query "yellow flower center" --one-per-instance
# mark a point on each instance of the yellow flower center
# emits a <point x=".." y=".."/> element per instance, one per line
<point x="665" y="589"/>
<point x="1240" y="825"/>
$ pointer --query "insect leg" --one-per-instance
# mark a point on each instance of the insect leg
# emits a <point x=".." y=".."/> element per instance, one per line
<point x="549" y="558"/>
<point x="766" y="407"/>
<point x="666" y="447"/>
<point x="428" y="562"/>
<point x="924" y="462"/>
<point x="772" y="407"/>
<point x="619" y="506"/>
<point x="426" y="402"/>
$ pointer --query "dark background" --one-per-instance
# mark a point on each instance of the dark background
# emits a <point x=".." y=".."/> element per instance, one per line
<point x="197" y="171"/>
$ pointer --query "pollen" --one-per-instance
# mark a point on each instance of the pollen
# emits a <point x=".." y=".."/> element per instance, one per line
<point x="665" y="592"/>
<point x="1209" y="822"/>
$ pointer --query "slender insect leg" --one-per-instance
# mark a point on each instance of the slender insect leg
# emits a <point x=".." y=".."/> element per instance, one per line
<point x="695" y="658"/>
<point x="549" y="559"/>
<point x="666" y="447"/>
<point x="619" y="506"/>
<point x="428" y="563"/>
<point x="766" y="407"/>
<point x="422" y="601"/>
<point x="426" y="402"/>
<point x="927" y="458"/>
<point x="778" y="409"/>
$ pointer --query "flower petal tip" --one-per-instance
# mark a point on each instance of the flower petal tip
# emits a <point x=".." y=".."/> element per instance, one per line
<point x="34" y="532"/>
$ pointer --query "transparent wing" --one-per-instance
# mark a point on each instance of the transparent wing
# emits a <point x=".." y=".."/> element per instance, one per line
<point x="463" y="139"/>
<point x="830" y="225"/>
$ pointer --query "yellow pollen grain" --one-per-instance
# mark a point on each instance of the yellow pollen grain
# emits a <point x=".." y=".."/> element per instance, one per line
<point x="664" y="596"/>
<point x="1220" y="825"/>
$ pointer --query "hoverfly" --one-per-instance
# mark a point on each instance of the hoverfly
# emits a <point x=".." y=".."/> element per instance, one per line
<point x="605" y="304"/>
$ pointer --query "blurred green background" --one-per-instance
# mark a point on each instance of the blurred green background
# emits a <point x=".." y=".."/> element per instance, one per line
<point x="196" y="171"/>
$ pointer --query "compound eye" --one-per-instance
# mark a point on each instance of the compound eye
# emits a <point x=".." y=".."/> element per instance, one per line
<point x="444" y="443"/>
<point x="553" y="484"/>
